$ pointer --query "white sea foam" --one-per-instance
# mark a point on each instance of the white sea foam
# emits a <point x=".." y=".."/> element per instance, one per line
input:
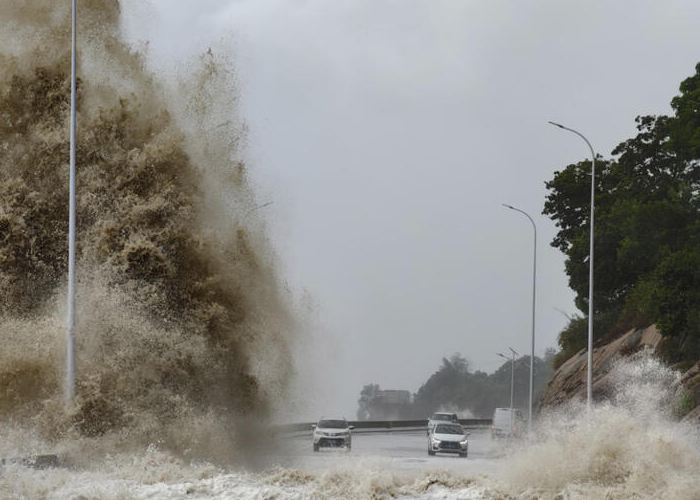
<point x="629" y="447"/>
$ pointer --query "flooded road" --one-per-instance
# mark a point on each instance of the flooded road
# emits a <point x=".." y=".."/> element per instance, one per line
<point x="402" y="451"/>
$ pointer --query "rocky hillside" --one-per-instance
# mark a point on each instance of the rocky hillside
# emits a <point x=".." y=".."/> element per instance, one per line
<point x="569" y="381"/>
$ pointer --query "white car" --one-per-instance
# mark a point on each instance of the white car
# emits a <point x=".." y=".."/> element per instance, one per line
<point x="448" y="437"/>
<point x="332" y="433"/>
<point x="439" y="417"/>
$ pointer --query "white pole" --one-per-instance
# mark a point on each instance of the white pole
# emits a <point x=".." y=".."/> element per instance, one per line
<point x="512" y="381"/>
<point x="70" y="340"/>
<point x="589" y="381"/>
<point x="512" y="378"/>
<point x="534" y="281"/>
<point x="512" y="372"/>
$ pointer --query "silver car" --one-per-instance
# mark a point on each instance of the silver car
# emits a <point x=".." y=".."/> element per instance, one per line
<point x="332" y="433"/>
<point x="448" y="438"/>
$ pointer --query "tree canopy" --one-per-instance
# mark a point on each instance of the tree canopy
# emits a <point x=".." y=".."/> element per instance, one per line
<point x="647" y="232"/>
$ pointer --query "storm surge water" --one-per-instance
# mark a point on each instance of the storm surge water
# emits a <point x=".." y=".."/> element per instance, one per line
<point x="182" y="332"/>
<point x="629" y="448"/>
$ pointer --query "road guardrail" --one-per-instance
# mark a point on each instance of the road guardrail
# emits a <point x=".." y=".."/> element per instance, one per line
<point x="388" y="425"/>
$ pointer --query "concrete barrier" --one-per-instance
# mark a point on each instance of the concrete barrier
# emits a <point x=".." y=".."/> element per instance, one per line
<point x="388" y="425"/>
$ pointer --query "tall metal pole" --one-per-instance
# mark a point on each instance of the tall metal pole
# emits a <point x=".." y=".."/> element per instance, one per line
<point x="512" y="379"/>
<point x="70" y="340"/>
<point x="534" y="281"/>
<point x="589" y="391"/>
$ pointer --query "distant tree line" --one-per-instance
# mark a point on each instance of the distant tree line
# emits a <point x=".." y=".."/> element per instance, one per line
<point x="454" y="387"/>
<point x="647" y="233"/>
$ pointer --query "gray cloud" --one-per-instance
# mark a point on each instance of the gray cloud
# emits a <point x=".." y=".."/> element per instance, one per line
<point x="390" y="132"/>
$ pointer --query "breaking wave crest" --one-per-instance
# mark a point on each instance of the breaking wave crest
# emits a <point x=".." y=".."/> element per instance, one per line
<point x="182" y="329"/>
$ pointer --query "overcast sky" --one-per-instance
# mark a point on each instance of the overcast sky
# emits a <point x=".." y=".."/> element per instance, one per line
<point x="388" y="133"/>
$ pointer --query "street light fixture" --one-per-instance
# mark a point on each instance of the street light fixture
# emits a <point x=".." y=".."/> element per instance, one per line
<point x="589" y="381"/>
<point x="255" y="209"/>
<point x="512" y="373"/>
<point x="534" y="281"/>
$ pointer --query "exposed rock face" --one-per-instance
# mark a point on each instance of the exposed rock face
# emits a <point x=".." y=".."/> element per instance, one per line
<point x="569" y="381"/>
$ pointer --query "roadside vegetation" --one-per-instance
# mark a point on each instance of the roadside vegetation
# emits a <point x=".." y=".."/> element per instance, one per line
<point x="647" y="233"/>
<point x="455" y="387"/>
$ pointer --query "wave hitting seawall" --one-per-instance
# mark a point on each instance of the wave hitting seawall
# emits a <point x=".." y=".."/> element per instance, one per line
<point x="182" y="333"/>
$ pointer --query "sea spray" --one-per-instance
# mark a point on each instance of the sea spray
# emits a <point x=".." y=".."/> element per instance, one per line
<point x="628" y="447"/>
<point x="182" y="331"/>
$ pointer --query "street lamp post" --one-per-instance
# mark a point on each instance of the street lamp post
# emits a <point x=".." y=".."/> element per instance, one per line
<point x="589" y="390"/>
<point x="70" y="334"/>
<point x="512" y="372"/>
<point x="512" y="378"/>
<point x="534" y="281"/>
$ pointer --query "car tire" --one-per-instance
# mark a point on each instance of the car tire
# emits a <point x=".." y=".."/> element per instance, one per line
<point x="315" y="447"/>
<point x="463" y="455"/>
<point x="431" y="452"/>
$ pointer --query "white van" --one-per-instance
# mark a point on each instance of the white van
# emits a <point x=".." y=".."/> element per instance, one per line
<point x="507" y="422"/>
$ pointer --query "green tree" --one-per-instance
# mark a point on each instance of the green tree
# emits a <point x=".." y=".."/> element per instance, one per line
<point x="647" y="236"/>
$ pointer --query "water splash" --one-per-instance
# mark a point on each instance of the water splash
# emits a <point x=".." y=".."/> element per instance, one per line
<point x="182" y="330"/>
<point x="629" y="447"/>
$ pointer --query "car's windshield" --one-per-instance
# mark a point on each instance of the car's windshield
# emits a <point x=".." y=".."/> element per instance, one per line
<point x="333" y="424"/>
<point x="442" y="416"/>
<point x="449" y="429"/>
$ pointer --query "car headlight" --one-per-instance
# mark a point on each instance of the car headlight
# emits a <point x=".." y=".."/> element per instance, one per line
<point x="436" y="442"/>
<point x="464" y="443"/>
